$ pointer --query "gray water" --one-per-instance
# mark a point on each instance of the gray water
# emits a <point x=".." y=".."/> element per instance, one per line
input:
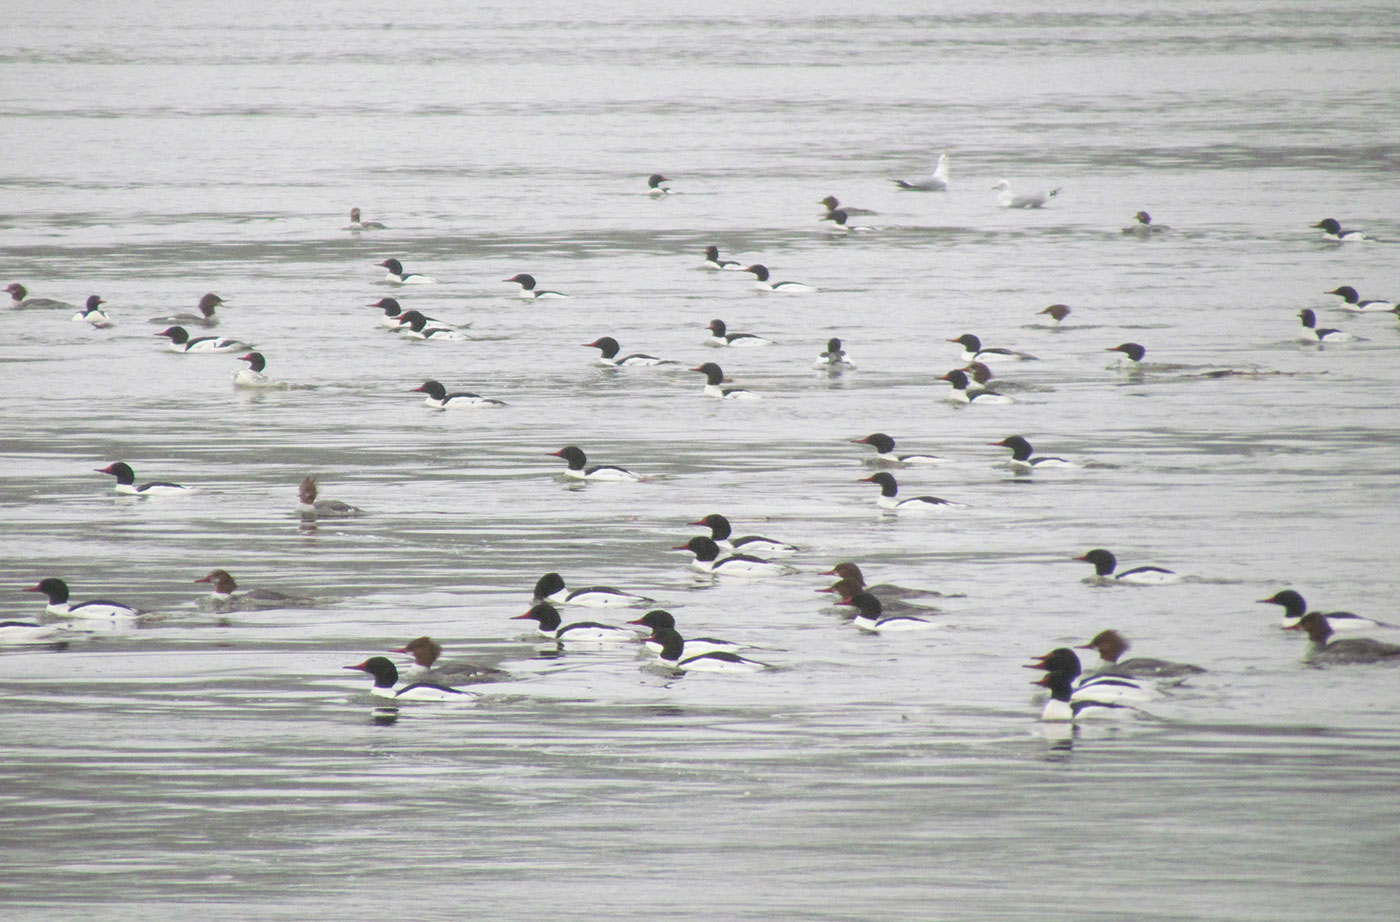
<point x="222" y="765"/>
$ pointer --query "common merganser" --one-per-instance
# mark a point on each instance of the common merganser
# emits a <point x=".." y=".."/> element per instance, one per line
<point x="762" y="284"/>
<point x="19" y="298"/>
<point x="833" y="204"/>
<point x="889" y="501"/>
<point x="207" y="316"/>
<point x="1022" y="461"/>
<point x="310" y="507"/>
<point x="395" y="275"/>
<point x="1057" y="312"/>
<point x="1333" y="230"/>
<point x="1132" y="354"/>
<point x="938" y="182"/>
<point x="415" y="326"/>
<point x="126" y="482"/>
<point x="1062" y="706"/>
<point x="744" y="566"/>
<point x="439" y="399"/>
<point x="841" y="220"/>
<point x="1111" y="645"/>
<point x="97" y="609"/>
<point x="721" y="533"/>
<point x="654" y="186"/>
<point x="392" y="316"/>
<point x="1294" y="608"/>
<point x="963" y="391"/>
<point x="687" y="656"/>
<point x="835" y="358"/>
<point x="979" y="376"/>
<point x="660" y="621"/>
<point x="253" y="376"/>
<point x="1348" y="650"/>
<point x="528" y="290"/>
<point x="180" y="342"/>
<point x="1108" y="688"/>
<point x="386" y="676"/>
<point x="1105" y="564"/>
<point x="609" y="348"/>
<point x="714" y="377"/>
<point x="1354" y="301"/>
<point x="356" y="224"/>
<point x="93" y="314"/>
<point x="847" y="570"/>
<point x="870" y="616"/>
<point x="1009" y="199"/>
<point x="226" y="595"/>
<point x="712" y="261"/>
<point x="973" y="351"/>
<point x="32" y="633"/>
<point x="847" y="589"/>
<point x="550" y="588"/>
<point x="577" y="469"/>
<point x="720" y="336"/>
<point x="1143" y="226"/>
<point x="1313" y="334"/>
<point x="427" y="667"/>
<point x="549" y="624"/>
<point x="884" y="452"/>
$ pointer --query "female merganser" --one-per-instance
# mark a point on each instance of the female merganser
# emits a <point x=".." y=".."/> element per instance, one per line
<point x="841" y="220"/>
<point x="1009" y="199"/>
<point x="938" y="182"/>
<point x="849" y="571"/>
<point x="1104" y="688"/>
<point x="884" y="452"/>
<point x="1294" y="608"/>
<point x="610" y="349"/>
<point x="762" y="284"/>
<point x="386" y="676"/>
<point x="126" y="482"/>
<point x="226" y="595"/>
<point x="979" y="376"/>
<point x="889" y="490"/>
<point x="426" y="667"/>
<point x="356" y="224"/>
<point x="19" y="298"/>
<point x="870" y="616"/>
<point x="1332" y="230"/>
<point x="415" y="326"/>
<point x="1132" y="354"/>
<point x="1354" y="301"/>
<point x="550" y="588"/>
<point x="712" y="261"/>
<point x="1022" y="460"/>
<point x="1057" y="312"/>
<point x="834" y="358"/>
<point x="1349" y="650"/>
<point x="744" y="566"/>
<point x="439" y="399"/>
<point x="253" y="376"/>
<point x="1144" y="226"/>
<point x="973" y="351"/>
<point x="549" y="624"/>
<point x="206" y="317"/>
<point x="654" y="186"/>
<point x="1104" y="564"/>
<point x="714" y="377"/>
<point x="180" y="342"/>
<point x="847" y="589"/>
<point x="720" y="336"/>
<point x="963" y="391"/>
<point x="310" y="507"/>
<point x="756" y="545"/>
<point x="1111" y="645"/>
<point x="57" y="591"/>
<point x="395" y="275"/>
<point x="833" y="204"/>
<point x="576" y="459"/>
<point x="528" y="290"/>
<point x="1312" y="334"/>
<point x="1062" y="707"/>
<point x="660" y="621"/>
<point x="94" y="314"/>
<point x="688" y="656"/>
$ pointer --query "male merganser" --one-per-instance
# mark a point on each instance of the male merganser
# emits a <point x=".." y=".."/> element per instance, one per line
<point x="1061" y="705"/>
<point x="94" y="314"/>
<point x="393" y="312"/>
<point x="610" y="349"/>
<point x="1104" y="564"/>
<point x="1023" y="462"/>
<point x="841" y="220"/>
<point x="549" y="624"/>
<point x="1313" y="334"/>
<point x="57" y="591"/>
<point x="762" y="284"/>
<point x="386" y="676"/>
<point x="689" y="656"/>
<point x="439" y="399"/>
<point x="712" y="261"/>
<point x="964" y="392"/>
<point x="1132" y="354"/>
<point x="550" y="588"/>
<point x="889" y="490"/>
<point x="1349" y="650"/>
<point x="27" y="633"/>
<point x="577" y="470"/>
<point x="870" y="616"/>
<point x="847" y="589"/>
<point x="1009" y="199"/>
<point x="528" y="289"/>
<point x="1111" y="645"/>
<point x="415" y="326"/>
<point x="126" y="482"/>
<point x="180" y="342"/>
<point x="226" y="595"/>
<point x="1332" y="230"/>
<point x="744" y="566"/>
<point x="1108" y="688"/>
<point x="19" y="298"/>
<point x="884" y="452"/>
<point x="720" y="336"/>
<point x="395" y="275"/>
<point x="660" y="621"/>
<point x="253" y="376"/>
<point x="1143" y="226"/>
<point x="356" y="224"/>
<point x="973" y="351"/>
<point x="1057" y="312"/>
<point x="721" y="534"/>
<point x="427" y="668"/>
<point x="938" y="182"/>
<point x="833" y="204"/>
<point x="835" y="358"/>
<point x="310" y="507"/>
<point x="1294" y="608"/>
<point x="1354" y="301"/>
<point x="207" y="316"/>
<point x="654" y="186"/>
<point x="714" y="377"/>
<point x="851" y="572"/>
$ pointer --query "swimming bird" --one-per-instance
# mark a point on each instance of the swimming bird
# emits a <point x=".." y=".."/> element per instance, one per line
<point x="712" y="261"/>
<point x="841" y="219"/>
<point x="654" y="186"/>
<point x="714" y="377"/>
<point x="392" y="316"/>
<point x="1295" y="607"/>
<point x="1348" y="650"/>
<point x="833" y="204"/>
<point x="311" y="507"/>
<point x="721" y="532"/>
<point x="550" y="588"/>
<point x="19" y="298"/>
<point x="690" y="656"/>
<point x="386" y="676"/>
<point x="526" y="281"/>
<point x="835" y="358"/>
<point x="395" y="275"/>
<point x="253" y="376"/>
<point x="550" y="624"/>
<point x="1132" y="352"/>
<point x="1105" y="565"/>
<point x="439" y="399"/>
<point x="1143" y="226"/>
<point x="92" y="313"/>
<point x="938" y="182"/>
<point x="659" y="621"/>
<point x="207" y="316"/>
<point x="963" y="392"/>
<point x="1333" y="230"/>
<point x="745" y="566"/>
<point x="1111" y="645"/>
<point x="720" y="336"/>
<point x="889" y="501"/>
<point x="870" y="616"/>
<point x="126" y="482"/>
<point x="1009" y="199"/>
<point x="1314" y="334"/>
<point x="973" y="351"/>
<point x="1354" y="301"/>
<point x="1023" y="460"/>
<point x="414" y="325"/>
<point x="851" y="572"/>
<point x="96" y="609"/>
<point x="884" y="452"/>
<point x="760" y="272"/>
<point x="1062" y="706"/>
<point x="576" y="460"/>
<point x="356" y="224"/>
<point x="226" y="595"/>
<point x="181" y="342"/>
<point x="1057" y="312"/>
<point x="428" y="667"/>
<point x="609" y="348"/>
<point x="1106" y="688"/>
